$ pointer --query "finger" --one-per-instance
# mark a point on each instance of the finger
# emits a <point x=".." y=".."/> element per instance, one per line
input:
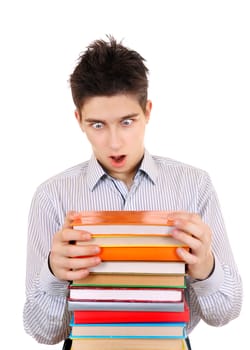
<point x="186" y="256"/>
<point x="69" y="234"/>
<point x="185" y="216"/>
<point x="193" y="229"/>
<point x="190" y="223"/>
<point x="75" y="274"/>
<point x="79" y="267"/>
<point x="187" y="222"/>
<point x="70" y="217"/>
<point x="195" y="236"/>
<point x="73" y="264"/>
<point x="187" y="239"/>
<point x="83" y="263"/>
<point x="80" y="250"/>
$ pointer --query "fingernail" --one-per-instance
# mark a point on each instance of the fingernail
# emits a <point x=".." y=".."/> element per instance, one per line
<point x="174" y="233"/>
<point x="86" y="235"/>
<point x="97" y="260"/>
<point x="176" y="222"/>
<point x="97" y="249"/>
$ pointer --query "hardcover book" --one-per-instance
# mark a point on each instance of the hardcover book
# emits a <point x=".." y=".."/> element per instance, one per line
<point x="125" y="294"/>
<point x="128" y="330"/>
<point x="129" y="344"/>
<point x="132" y="240"/>
<point x="124" y="217"/>
<point x="125" y="305"/>
<point x="143" y="267"/>
<point x="125" y="229"/>
<point x="132" y="280"/>
<point x="111" y="316"/>
<point x="134" y="253"/>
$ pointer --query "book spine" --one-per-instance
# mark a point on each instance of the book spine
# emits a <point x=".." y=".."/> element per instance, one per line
<point x="125" y="306"/>
<point x="124" y="217"/>
<point x="130" y="344"/>
<point x="139" y="253"/>
<point x="142" y="267"/>
<point x="127" y="337"/>
<point x="129" y="316"/>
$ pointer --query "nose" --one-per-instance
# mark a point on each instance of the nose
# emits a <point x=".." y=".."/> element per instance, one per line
<point x="114" y="139"/>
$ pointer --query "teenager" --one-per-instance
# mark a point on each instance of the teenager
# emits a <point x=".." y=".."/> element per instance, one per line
<point x="110" y="91"/>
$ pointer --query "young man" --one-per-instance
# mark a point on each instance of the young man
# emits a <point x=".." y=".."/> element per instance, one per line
<point x="109" y="88"/>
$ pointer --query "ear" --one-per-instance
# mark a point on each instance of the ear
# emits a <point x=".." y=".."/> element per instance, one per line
<point x="79" y="119"/>
<point x="77" y="115"/>
<point x="148" y="110"/>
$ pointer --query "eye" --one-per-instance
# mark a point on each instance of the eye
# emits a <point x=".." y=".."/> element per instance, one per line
<point x="97" y="125"/>
<point x="127" y="122"/>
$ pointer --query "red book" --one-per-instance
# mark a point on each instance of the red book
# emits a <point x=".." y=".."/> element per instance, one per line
<point x="85" y="316"/>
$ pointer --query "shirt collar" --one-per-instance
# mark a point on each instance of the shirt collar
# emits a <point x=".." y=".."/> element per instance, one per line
<point x="96" y="173"/>
<point x="149" y="167"/>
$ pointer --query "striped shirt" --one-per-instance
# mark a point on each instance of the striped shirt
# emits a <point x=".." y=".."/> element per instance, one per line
<point x="159" y="184"/>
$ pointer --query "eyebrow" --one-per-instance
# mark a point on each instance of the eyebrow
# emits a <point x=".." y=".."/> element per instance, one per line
<point x="95" y="120"/>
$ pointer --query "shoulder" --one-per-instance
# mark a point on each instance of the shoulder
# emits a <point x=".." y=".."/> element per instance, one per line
<point x="186" y="178"/>
<point x="68" y="175"/>
<point x="170" y="163"/>
<point x="180" y="171"/>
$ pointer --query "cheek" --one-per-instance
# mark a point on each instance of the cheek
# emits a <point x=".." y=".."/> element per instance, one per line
<point x="138" y="134"/>
<point x="96" y="139"/>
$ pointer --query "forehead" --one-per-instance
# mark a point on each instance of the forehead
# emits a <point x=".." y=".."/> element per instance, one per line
<point x="117" y="106"/>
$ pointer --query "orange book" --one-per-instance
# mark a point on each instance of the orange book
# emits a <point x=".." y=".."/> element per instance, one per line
<point x="148" y="253"/>
<point x="125" y="217"/>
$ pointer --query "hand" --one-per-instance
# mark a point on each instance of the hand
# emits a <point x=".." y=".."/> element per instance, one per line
<point x="193" y="232"/>
<point x="64" y="258"/>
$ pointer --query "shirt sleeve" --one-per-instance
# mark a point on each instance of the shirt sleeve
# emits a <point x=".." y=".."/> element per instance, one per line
<point x="218" y="299"/>
<point x="45" y="313"/>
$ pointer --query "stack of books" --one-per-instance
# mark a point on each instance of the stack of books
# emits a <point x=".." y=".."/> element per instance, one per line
<point x="135" y="298"/>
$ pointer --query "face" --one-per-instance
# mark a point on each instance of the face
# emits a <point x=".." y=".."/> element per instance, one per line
<point x="115" y="127"/>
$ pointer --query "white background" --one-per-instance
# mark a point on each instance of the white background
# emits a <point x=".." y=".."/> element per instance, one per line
<point x="198" y="54"/>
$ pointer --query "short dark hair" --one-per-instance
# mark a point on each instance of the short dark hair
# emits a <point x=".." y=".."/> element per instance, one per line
<point x="108" y="68"/>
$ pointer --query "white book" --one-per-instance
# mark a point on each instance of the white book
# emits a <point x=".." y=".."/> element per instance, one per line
<point x="142" y="267"/>
<point x="125" y="294"/>
<point x="126" y="229"/>
<point x="132" y="240"/>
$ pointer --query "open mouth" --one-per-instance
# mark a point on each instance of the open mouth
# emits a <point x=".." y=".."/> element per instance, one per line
<point x="118" y="159"/>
